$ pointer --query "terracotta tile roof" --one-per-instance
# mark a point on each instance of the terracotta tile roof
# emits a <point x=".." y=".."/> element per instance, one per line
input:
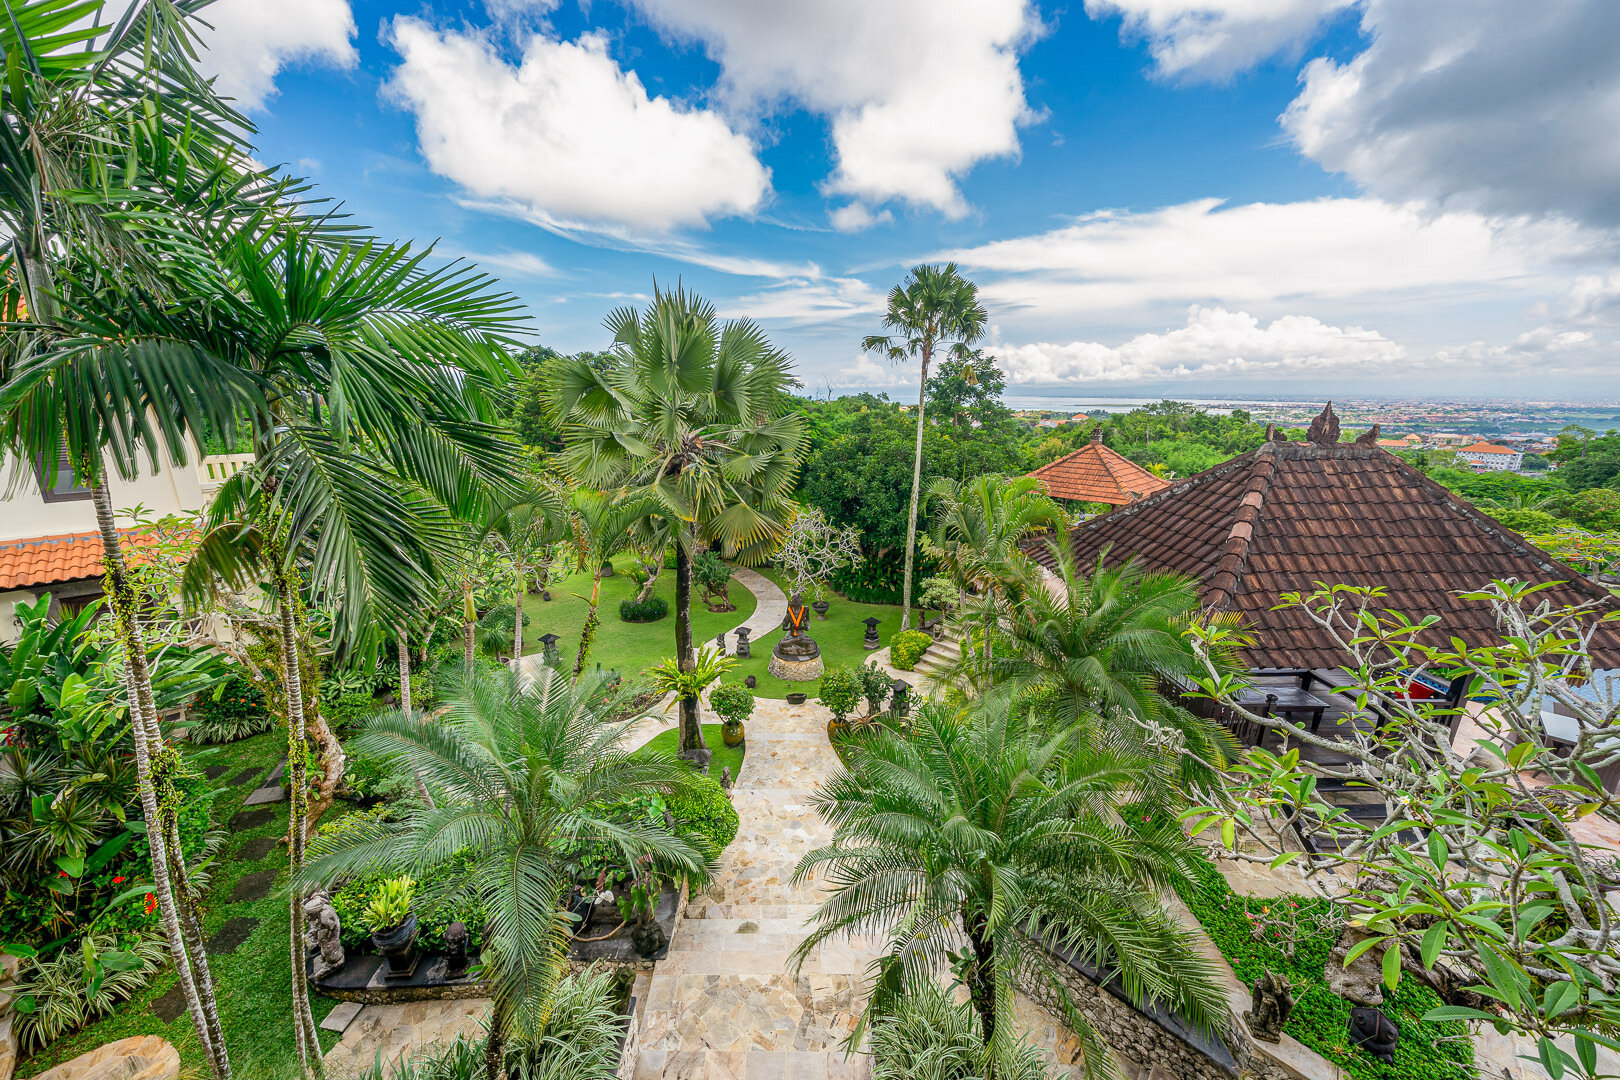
<point x="1095" y="473"/>
<point x="1485" y="448"/>
<point x="1288" y="515"/>
<point x="44" y="560"/>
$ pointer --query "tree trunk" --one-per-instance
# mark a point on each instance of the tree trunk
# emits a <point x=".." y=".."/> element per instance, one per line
<point x="404" y="652"/>
<point x="517" y="616"/>
<point x="982" y="982"/>
<point x="916" y="484"/>
<point x="148" y="743"/>
<point x="652" y="580"/>
<point x="685" y="654"/>
<point x="495" y="1048"/>
<point x="292" y="675"/>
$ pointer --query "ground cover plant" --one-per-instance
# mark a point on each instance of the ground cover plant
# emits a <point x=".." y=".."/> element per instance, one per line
<point x="252" y="982"/>
<point x="731" y="757"/>
<point x="1426" y="1051"/>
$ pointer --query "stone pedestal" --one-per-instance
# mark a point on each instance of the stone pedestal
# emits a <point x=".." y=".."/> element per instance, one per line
<point x="796" y="670"/>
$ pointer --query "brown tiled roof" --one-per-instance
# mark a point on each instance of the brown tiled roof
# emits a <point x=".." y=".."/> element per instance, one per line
<point x="44" y="560"/>
<point x="1095" y="473"/>
<point x="1288" y="515"/>
<point x="1483" y="447"/>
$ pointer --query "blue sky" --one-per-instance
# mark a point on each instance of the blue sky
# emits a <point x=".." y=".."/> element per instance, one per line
<point x="1256" y="197"/>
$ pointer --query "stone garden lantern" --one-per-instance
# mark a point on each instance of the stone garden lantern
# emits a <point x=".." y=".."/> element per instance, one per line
<point x="548" y="649"/>
<point x="870" y="641"/>
<point x="902" y="698"/>
<point x="742" y="643"/>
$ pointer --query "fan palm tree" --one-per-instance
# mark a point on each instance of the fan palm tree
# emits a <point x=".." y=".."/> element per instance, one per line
<point x="522" y="776"/>
<point x="1103" y="645"/>
<point x="986" y="841"/>
<point x="694" y="417"/>
<point x="934" y="309"/>
<point x="604" y="526"/>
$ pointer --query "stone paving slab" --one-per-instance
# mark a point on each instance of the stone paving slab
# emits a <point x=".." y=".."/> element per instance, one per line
<point x="265" y="795"/>
<point x="405" y="1029"/>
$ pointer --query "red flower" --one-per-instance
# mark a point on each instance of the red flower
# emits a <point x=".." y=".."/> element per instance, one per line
<point x="151" y="903"/>
<point x="118" y="880"/>
<point x="61" y="873"/>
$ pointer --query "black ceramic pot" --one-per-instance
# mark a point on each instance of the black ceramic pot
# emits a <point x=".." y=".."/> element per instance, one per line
<point x="820" y="608"/>
<point x="796" y="698"/>
<point x="396" y="946"/>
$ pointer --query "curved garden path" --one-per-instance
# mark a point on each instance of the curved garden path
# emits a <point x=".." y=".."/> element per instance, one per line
<point x="723" y="1004"/>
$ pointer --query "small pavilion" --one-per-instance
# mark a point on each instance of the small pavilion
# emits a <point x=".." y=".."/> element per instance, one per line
<point x="1096" y="474"/>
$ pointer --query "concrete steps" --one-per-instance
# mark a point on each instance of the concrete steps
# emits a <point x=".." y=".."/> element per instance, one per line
<point x="941" y="655"/>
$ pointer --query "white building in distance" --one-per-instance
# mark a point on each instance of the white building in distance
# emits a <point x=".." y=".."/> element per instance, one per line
<point x="1489" y="457"/>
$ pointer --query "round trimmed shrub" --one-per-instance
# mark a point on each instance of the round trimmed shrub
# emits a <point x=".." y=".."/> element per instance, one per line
<point x="233" y="710"/>
<point x="701" y="809"/>
<point x="731" y="702"/>
<point x="650" y="610"/>
<point x="840" y="692"/>
<point x="907" y="647"/>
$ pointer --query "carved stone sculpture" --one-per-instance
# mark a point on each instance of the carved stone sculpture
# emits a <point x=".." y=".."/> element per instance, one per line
<point x="325" y="935"/>
<point x="455" y="945"/>
<point x="796" y="657"/>
<point x="1325" y="428"/>
<point x="725" y="780"/>
<point x="1271" y="1004"/>
<point x="1368" y="437"/>
<point x="1374" y="1032"/>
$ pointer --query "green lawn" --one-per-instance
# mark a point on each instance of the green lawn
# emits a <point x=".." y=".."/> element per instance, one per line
<point x="628" y="648"/>
<point x="839" y="636"/>
<point x="253" y="985"/>
<point x="724" y="756"/>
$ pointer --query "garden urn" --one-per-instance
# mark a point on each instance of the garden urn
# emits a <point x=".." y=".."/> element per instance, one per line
<point x="731" y="732"/>
<point x="820" y="608"/>
<point x="398" y="947"/>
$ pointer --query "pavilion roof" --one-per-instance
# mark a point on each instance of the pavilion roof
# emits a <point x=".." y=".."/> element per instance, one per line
<point x="1094" y="473"/>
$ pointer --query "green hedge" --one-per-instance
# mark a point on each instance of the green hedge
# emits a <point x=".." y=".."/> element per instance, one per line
<point x="907" y="647"/>
<point x="1321" y="1018"/>
<point x="653" y="609"/>
<point x="703" y="809"/>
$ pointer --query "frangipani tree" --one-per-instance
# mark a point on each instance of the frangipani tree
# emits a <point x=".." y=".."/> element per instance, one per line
<point x="814" y="548"/>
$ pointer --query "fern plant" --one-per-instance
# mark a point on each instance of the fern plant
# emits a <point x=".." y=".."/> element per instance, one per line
<point x="711" y="664"/>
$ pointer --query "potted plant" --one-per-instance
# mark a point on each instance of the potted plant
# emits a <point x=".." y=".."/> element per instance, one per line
<point x="841" y="693"/>
<point x="638" y="907"/>
<point x="875" y="688"/>
<point x="796" y="697"/>
<point x="392" y="923"/>
<point x="812" y="550"/>
<point x="732" y="704"/>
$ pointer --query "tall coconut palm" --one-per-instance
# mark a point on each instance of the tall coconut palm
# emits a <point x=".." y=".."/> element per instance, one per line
<point x="986" y="841"/>
<point x="693" y="416"/>
<point x="935" y="309"/>
<point x="604" y="526"/>
<point x="522" y="776"/>
<point x="1104" y="645"/>
<point x="87" y="101"/>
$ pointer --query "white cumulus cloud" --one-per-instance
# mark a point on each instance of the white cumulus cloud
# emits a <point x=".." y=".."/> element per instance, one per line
<point x="1502" y="106"/>
<point x="917" y="91"/>
<point x="1215" y="342"/>
<point x="251" y="41"/>
<point x="567" y="135"/>
<point x="1215" y="39"/>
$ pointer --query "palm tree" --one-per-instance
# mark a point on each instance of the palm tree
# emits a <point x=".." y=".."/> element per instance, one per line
<point x="935" y="308"/>
<point x="520" y="775"/>
<point x="986" y="841"/>
<point x="604" y="526"/>
<point x="1103" y="646"/>
<point x="977" y="531"/>
<point x="695" y="418"/>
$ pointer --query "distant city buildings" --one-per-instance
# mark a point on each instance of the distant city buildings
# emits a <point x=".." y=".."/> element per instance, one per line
<point x="1490" y="457"/>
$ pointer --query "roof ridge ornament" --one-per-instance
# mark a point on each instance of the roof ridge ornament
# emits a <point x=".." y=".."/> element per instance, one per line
<point x="1096" y="435"/>
<point x="1325" y="428"/>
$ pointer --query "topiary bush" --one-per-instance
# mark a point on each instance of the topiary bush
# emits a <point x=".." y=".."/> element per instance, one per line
<point x="907" y="647"/>
<point x="840" y="692"/>
<point x="1257" y="934"/>
<point x="702" y="811"/>
<point x="235" y="709"/>
<point x="650" y="610"/>
<point x="731" y="702"/>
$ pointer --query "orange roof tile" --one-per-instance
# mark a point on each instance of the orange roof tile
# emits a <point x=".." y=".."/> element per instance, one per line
<point x="1485" y="448"/>
<point x="1095" y="473"/>
<point x="42" y="560"/>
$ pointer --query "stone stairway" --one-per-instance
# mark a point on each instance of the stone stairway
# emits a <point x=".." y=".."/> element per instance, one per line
<point x="941" y="655"/>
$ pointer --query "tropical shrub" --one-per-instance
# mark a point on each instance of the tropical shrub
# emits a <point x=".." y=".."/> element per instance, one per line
<point x="235" y="709"/>
<point x="438" y="903"/>
<point x="649" y="610"/>
<point x="390" y="904"/>
<point x="371" y="776"/>
<point x="63" y="993"/>
<point x="667" y="676"/>
<point x="930" y="1036"/>
<point x="876" y="686"/>
<point x="938" y="594"/>
<point x="840" y="692"/>
<point x="731" y="702"/>
<point x="907" y="647"/>
<point x="339" y="683"/>
<point x="702" y="808"/>
<point x="877" y="580"/>
<point x="712" y="573"/>
<point x="349" y="710"/>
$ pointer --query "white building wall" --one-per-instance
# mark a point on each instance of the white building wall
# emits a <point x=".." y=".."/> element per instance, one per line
<point x="24" y="512"/>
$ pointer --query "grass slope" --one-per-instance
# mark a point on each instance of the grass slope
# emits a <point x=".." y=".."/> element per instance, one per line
<point x="1321" y="1018"/>
<point x="254" y="984"/>
<point x="628" y="648"/>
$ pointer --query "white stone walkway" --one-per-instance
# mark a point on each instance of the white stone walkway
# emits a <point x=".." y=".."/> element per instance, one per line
<point x="770" y="606"/>
<point x="724" y="1005"/>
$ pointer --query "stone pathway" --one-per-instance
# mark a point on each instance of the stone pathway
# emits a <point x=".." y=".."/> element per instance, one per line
<point x="723" y="1005"/>
<point x="770" y="606"/>
<point x="393" y="1030"/>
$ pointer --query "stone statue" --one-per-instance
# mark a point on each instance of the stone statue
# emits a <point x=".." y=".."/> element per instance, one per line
<point x="1374" y="1032"/>
<point x="324" y="935"/>
<point x="725" y="780"/>
<point x="1368" y="437"/>
<point x="455" y="945"/>
<point x="1325" y="428"/>
<point x="1270" y="1006"/>
<point x="796" y="657"/>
